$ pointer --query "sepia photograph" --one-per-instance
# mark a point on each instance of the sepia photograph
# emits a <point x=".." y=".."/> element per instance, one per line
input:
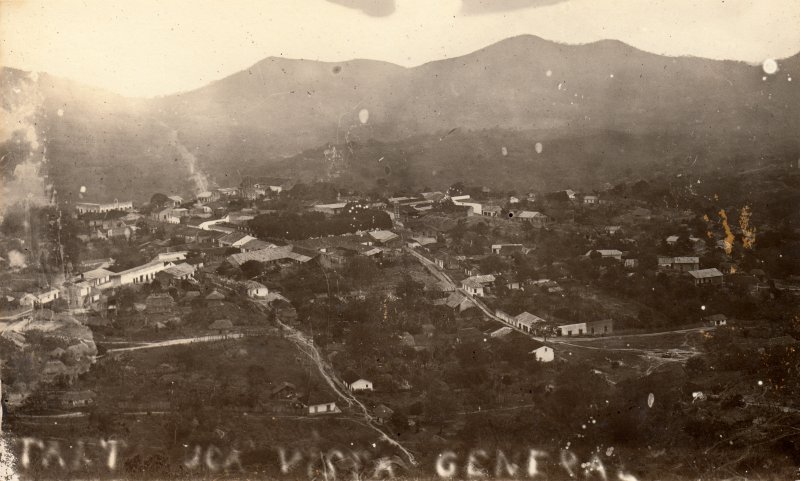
<point x="400" y="240"/>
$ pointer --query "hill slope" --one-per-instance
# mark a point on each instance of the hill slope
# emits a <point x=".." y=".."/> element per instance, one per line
<point x="522" y="88"/>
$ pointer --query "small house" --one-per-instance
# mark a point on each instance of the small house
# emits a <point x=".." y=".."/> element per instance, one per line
<point x="354" y="382"/>
<point x="256" y="289"/>
<point x="328" y="407"/>
<point x="544" y="354"/>
<point x="717" y="320"/>
<point x="707" y="277"/>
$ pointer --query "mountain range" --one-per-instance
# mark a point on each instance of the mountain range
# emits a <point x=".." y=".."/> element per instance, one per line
<point x="524" y="114"/>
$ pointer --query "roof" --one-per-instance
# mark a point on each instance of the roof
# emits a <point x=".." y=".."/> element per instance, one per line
<point x="350" y="377"/>
<point x="284" y="385"/>
<point x="527" y="214"/>
<point x="423" y="241"/>
<point x="349" y="242"/>
<point x="482" y="279"/>
<point x="221" y="324"/>
<point x="180" y="270"/>
<point x="528" y="318"/>
<point x="705" y="273"/>
<point x="502" y="332"/>
<point x="686" y="260"/>
<point x="257" y="244"/>
<point x="383" y="235"/>
<point x="337" y="205"/>
<point x="605" y="252"/>
<point x="176" y="198"/>
<point x="254" y="285"/>
<point x="96" y="274"/>
<point x="268" y="255"/>
<point x="215" y="296"/>
<point x="455" y="299"/>
<point x="233" y="237"/>
<point x="149" y="265"/>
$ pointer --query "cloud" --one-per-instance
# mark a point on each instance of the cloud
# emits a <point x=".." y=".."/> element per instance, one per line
<point x="480" y="7"/>
<point x="373" y="8"/>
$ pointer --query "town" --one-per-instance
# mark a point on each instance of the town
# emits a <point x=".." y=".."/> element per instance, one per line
<point x="192" y="318"/>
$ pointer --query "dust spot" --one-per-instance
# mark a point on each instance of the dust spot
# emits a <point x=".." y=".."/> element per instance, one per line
<point x="336" y="69"/>
<point x="770" y="66"/>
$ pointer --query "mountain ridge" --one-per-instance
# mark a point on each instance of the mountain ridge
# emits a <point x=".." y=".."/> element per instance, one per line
<point x="279" y="108"/>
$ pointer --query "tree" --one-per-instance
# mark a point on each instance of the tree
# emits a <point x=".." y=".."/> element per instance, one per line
<point x="491" y="264"/>
<point x="408" y="288"/>
<point x="159" y="201"/>
<point x="361" y="270"/>
<point x="252" y="268"/>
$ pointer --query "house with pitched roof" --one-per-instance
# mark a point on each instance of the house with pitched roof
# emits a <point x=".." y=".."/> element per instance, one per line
<point x="707" y="277"/>
<point x="354" y="382"/>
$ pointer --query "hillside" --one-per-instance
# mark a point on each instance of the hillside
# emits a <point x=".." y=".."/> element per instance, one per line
<point x="523" y="89"/>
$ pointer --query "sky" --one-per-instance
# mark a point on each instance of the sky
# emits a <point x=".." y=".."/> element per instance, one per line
<point x="147" y="48"/>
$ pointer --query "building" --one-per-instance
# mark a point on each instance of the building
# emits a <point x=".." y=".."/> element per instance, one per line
<point x="707" y="277"/>
<point x="527" y="322"/>
<point x="544" y="354"/>
<point x="476" y="285"/>
<point x="536" y="219"/>
<point x="593" y="328"/>
<point x="276" y="255"/>
<point x="255" y="245"/>
<point x="607" y="254"/>
<point x="354" y="382"/>
<point x="170" y="256"/>
<point x="256" y="289"/>
<point x="88" y="207"/>
<point x="175" y="200"/>
<point x="167" y="215"/>
<point x="235" y="239"/>
<point x="139" y="274"/>
<point x="717" y="320"/>
<point x="686" y="264"/>
<point x="506" y="249"/>
<point x="330" y="209"/>
<point x="41" y="298"/>
<point x="590" y="199"/>
<point x="383" y="236"/>
<point x="100" y="278"/>
<point x="75" y="399"/>
<point x="456" y="301"/>
<point x="491" y="210"/>
<point x="680" y="264"/>
<point x="328" y="407"/>
<point x="173" y="275"/>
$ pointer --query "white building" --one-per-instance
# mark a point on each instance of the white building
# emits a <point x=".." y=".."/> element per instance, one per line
<point x="324" y="408"/>
<point x="544" y="354"/>
<point x="139" y="274"/>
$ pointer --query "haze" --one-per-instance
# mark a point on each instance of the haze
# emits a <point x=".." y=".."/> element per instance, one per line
<point x="150" y="48"/>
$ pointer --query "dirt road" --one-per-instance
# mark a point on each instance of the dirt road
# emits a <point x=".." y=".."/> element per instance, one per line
<point x="307" y="347"/>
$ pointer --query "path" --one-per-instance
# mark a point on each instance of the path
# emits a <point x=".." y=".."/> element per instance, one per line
<point x="177" y="342"/>
<point x="308" y="348"/>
